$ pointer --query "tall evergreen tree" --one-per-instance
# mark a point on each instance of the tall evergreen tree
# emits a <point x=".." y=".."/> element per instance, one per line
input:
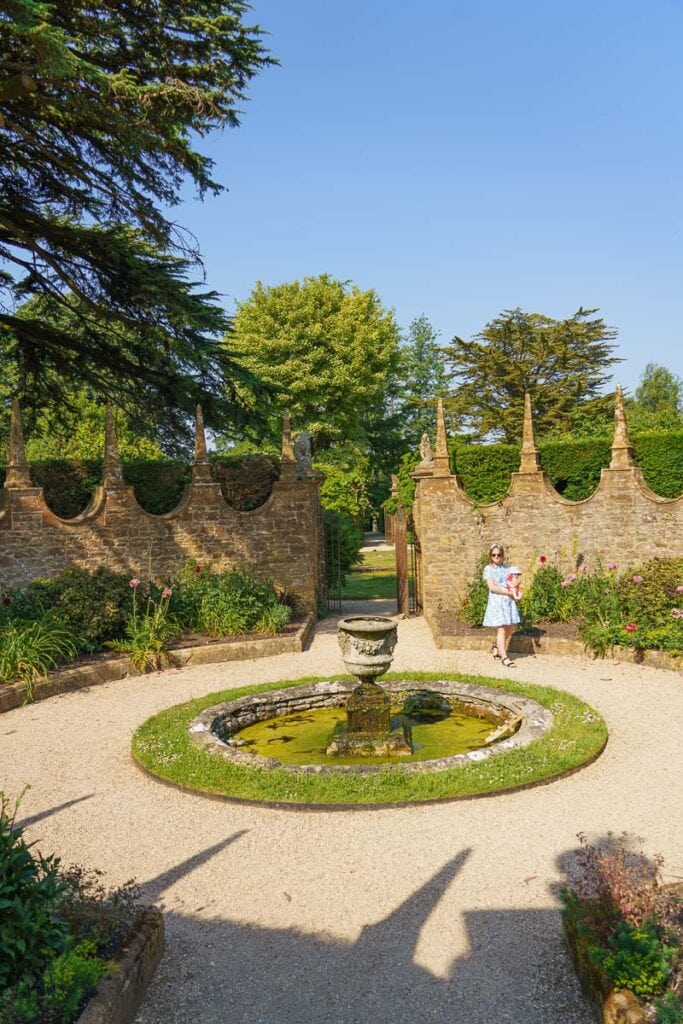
<point x="426" y="379"/>
<point x="100" y="110"/>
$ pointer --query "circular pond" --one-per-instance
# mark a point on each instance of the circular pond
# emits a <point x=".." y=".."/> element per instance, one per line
<point x="445" y="725"/>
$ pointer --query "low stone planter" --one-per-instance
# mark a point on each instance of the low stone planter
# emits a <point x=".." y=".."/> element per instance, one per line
<point x="610" y="1007"/>
<point x="120" y="994"/>
<point x="82" y="676"/>
<point x="523" y="644"/>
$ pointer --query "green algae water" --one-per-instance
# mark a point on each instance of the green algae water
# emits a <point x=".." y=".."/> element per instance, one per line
<point x="303" y="737"/>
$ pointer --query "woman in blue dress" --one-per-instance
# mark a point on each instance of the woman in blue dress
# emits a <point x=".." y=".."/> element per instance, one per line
<point x="501" y="610"/>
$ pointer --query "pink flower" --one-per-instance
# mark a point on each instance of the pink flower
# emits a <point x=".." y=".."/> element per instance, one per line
<point x="572" y="576"/>
<point x="542" y="559"/>
<point x="677" y="613"/>
<point x="612" y="565"/>
<point x="134" y="583"/>
<point x="565" y="583"/>
<point x="631" y="627"/>
<point x="679" y="590"/>
<point x="166" y="593"/>
<point x="637" y="579"/>
<point x="197" y="567"/>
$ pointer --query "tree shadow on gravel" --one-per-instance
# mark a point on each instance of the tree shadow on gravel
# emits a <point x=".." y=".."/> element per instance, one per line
<point x="517" y="970"/>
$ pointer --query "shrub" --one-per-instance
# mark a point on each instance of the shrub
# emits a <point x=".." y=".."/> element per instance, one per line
<point x="31" y="894"/>
<point x="669" y="1009"/>
<point x="229" y="603"/>
<point x="93" y="605"/>
<point x="545" y="600"/>
<point x="343" y="544"/>
<point x="147" y="634"/>
<point x="636" y="958"/>
<point x="473" y="606"/>
<point x="69" y="979"/>
<point x="28" y="651"/>
<point x="649" y="591"/>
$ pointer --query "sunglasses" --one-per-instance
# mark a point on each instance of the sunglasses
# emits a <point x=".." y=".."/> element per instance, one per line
<point x="496" y="554"/>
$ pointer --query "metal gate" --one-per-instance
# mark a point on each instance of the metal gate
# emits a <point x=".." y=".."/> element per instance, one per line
<point x="333" y="569"/>
<point x="415" y="579"/>
<point x="408" y="567"/>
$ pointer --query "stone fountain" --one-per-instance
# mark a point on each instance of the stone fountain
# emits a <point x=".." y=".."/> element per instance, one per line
<point x="367" y="643"/>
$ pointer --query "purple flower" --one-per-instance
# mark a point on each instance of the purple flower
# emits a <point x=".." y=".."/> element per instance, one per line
<point x="166" y="592"/>
<point x="612" y="566"/>
<point x="637" y="579"/>
<point x="134" y="583"/>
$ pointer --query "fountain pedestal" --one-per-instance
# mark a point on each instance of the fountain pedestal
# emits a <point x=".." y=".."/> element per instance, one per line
<point x="367" y="643"/>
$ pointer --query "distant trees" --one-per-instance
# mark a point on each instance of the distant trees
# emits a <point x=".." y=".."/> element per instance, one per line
<point x="424" y="379"/>
<point x="563" y="364"/>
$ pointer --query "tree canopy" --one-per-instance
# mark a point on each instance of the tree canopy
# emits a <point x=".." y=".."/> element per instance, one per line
<point x="561" y="363"/>
<point x="328" y="350"/>
<point x="100" y="110"/>
<point x="424" y="379"/>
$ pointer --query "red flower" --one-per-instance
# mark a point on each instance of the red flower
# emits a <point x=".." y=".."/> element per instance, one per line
<point x="6" y="600"/>
<point x="631" y="627"/>
<point x="542" y="559"/>
<point x="197" y="567"/>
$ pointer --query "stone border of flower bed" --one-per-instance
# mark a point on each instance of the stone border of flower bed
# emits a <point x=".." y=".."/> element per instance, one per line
<point x="520" y="644"/>
<point x="68" y="679"/>
<point x="120" y="993"/>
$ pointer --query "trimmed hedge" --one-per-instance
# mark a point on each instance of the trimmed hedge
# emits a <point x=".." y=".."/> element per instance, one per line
<point x="246" y="482"/>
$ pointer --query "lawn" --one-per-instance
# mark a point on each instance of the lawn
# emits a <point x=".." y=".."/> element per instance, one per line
<point x="374" y="577"/>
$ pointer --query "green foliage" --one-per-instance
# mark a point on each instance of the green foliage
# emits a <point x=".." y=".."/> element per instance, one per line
<point x="27" y="651"/>
<point x="476" y="597"/>
<point x="660" y="391"/>
<point x="148" y="633"/>
<point x="560" y="363"/>
<point x="669" y="1009"/>
<point x="346" y="477"/>
<point x="100" y="118"/>
<point x="94" y="605"/>
<point x="484" y="469"/>
<point x="425" y="379"/>
<point x="636" y="958"/>
<point x="344" y="541"/>
<point x="543" y="601"/>
<point x="31" y="894"/>
<point x="227" y="604"/>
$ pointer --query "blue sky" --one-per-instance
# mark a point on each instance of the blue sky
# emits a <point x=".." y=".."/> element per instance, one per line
<point x="462" y="158"/>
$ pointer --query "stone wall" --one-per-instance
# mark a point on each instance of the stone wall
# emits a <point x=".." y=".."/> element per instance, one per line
<point x="623" y="520"/>
<point x="281" y="540"/>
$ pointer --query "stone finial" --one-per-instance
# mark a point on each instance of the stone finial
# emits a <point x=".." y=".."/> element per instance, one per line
<point x="442" y="464"/>
<point x="112" y="470"/>
<point x="622" y="452"/>
<point x="287" y="457"/>
<point x="201" y="470"/>
<point x="426" y="450"/>
<point x="18" y="472"/>
<point x="394" y="483"/>
<point x="529" y="460"/>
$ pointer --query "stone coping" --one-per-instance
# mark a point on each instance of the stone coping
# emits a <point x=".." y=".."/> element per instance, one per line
<point x="81" y="676"/>
<point x="524" y="644"/>
<point x="237" y="714"/>
<point x="120" y="993"/>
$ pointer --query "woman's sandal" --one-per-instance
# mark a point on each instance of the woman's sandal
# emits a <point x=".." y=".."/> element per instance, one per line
<point x="508" y="663"/>
<point x="494" y="651"/>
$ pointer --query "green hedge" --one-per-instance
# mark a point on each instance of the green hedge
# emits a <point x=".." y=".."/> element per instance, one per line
<point x="245" y="480"/>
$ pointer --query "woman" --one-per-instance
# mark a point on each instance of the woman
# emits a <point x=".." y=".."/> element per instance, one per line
<point x="501" y="609"/>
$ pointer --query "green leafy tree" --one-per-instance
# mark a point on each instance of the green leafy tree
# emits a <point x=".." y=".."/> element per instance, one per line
<point x="563" y="364"/>
<point x="328" y="350"/>
<point x="658" y="400"/>
<point x="425" y="379"/>
<point x="100" y="110"/>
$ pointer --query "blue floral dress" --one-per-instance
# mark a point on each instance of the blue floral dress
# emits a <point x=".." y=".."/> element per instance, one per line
<point x="500" y="610"/>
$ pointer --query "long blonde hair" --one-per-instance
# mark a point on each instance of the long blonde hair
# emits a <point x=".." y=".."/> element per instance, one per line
<point x="497" y="547"/>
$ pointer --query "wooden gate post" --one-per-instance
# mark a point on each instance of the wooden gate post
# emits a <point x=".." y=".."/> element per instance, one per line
<point x="401" y="552"/>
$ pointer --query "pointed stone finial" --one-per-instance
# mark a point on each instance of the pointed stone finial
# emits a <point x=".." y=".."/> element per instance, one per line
<point x="18" y="473"/>
<point x="112" y="470"/>
<point x="201" y="469"/>
<point x="622" y="452"/>
<point x="287" y="457"/>
<point x="529" y="460"/>
<point x="442" y="464"/>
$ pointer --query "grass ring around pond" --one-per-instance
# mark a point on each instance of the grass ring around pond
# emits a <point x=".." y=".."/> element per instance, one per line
<point x="163" y="746"/>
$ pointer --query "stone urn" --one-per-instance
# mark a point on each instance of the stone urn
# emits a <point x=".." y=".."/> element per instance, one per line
<point x="367" y="644"/>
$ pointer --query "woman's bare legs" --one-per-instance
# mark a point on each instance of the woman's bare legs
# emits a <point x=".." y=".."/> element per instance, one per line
<point x="503" y="634"/>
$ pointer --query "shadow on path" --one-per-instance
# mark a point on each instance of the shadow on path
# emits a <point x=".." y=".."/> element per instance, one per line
<point x="25" y="822"/>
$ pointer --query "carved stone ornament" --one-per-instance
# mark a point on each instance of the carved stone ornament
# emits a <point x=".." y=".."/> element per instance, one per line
<point x="426" y="449"/>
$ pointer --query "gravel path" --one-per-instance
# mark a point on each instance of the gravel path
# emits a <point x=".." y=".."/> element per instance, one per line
<point x="439" y="913"/>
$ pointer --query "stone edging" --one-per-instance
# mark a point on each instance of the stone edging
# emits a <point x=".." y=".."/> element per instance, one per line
<point x="68" y="679"/>
<point x="552" y="645"/>
<point x="120" y="993"/>
<point x="260" y="706"/>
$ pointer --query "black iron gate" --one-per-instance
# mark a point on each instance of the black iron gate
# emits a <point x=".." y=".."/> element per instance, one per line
<point x="333" y="569"/>
<point x="415" y="579"/>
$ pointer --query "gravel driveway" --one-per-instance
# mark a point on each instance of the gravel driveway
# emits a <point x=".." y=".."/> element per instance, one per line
<point x="443" y="912"/>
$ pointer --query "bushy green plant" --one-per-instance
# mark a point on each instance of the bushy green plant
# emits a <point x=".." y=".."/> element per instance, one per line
<point x="148" y="632"/>
<point x="636" y="958"/>
<point x="473" y="606"/>
<point x="545" y="600"/>
<point x="28" y="651"/>
<point x="649" y="593"/>
<point x="228" y="603"/>
<point x="273" y="619"/>
<point x="344" y="544"/>
<point x="31" y="894"/>
<point x="69" y="979"/>
<point x="93" y="605"/>
<point x="669" y="1009"/>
